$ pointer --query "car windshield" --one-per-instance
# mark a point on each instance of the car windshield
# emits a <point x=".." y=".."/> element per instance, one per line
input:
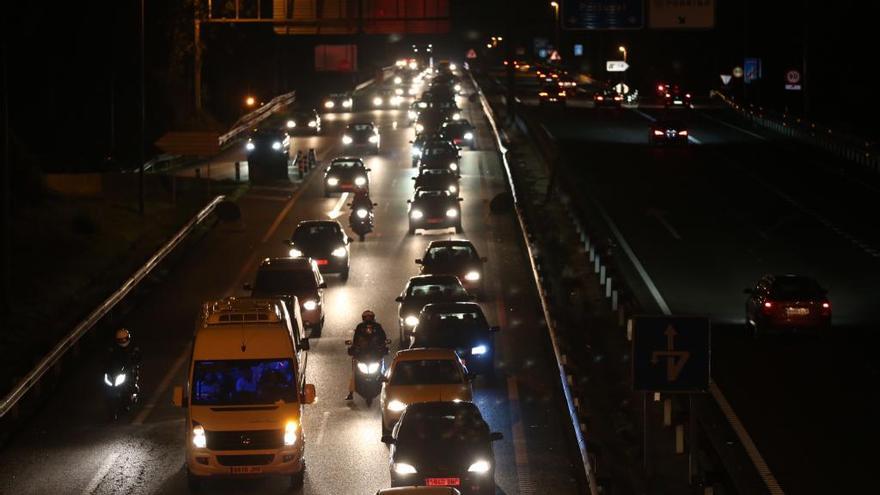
<point x="450" y="254"/>
<point x="243" y="381"/>
<point x="426" y="372"/>
<point x="438" y="151"/>
<point x="449" y="425"/>
<point x="284" y="281"/>
<point x="435" y="289"/>
<point x="437" y="172"/>
<point x="361" y="127"/>
<point x="323" y="231"/>
<point x="795" y="288"/>
<point x="346" y="166"/>
<point x="430" y="193"/>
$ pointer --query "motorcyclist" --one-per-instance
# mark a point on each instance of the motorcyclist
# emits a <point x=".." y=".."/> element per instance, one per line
<point x="126" y="354"/>
<point x="369" y="334"/>
<point x="361" y="199"/>
<point x="313" y="158"/>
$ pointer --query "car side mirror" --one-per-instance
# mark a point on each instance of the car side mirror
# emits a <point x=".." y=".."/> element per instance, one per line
<point x="177" y="397"/>
<point x="304" y="344"/>
<point x="368" y="170"/>
<point x="461" y="199"/>
<point x="748" y="291"/>
<point x="495" y="436"/>
<point x="247" y="287"/>
<point x="322" y="285"/>
<point x="388" y="439"/>
<point x="347" y="342"/>
<point x="418" y="261"/>
<point x="308" y="394"/>
<point x="399" y="299"/>
<point x="409" y="201"/>
<point x="494" y="329"/>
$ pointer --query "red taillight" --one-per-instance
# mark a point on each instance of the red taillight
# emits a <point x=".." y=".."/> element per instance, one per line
<point x="600" y="98"/>
<point x="562" y="93"/>
<point x="687" y="95"/>
<point x="658" y="133"/>
<point x="768" y="304"/>
<point x="682" y="133"/>
<point x="618" y="98"/>
<point x="660" y="87"/>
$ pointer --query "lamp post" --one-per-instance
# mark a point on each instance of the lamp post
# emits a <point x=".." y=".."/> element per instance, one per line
<point x="622" y="49"/>
<point x="555" y="6"/>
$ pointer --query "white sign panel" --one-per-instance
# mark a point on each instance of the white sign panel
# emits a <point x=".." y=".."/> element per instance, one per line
<point x="725" y="79"/>
<point x="616" y="66"/>
<point x="681" y="14"/>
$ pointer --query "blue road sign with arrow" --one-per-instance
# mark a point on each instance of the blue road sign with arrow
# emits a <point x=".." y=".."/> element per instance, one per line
<point x="671" y="353"/>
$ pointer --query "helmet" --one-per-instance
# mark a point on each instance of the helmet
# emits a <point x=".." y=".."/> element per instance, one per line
<point x="122" y="337"/>
<point x="368" y="315"/>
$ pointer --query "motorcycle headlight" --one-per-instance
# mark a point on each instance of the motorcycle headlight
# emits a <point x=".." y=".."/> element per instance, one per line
<point x="396" y="406"/>
<point x="453" y="166"/>
<point x="362" y="213"/>
<point x="373" y="139"/>
<point x="411" y="321"/>
<point x="478" y="350"/>
<point x="472" y="276"/>
<point x="290" y="433"/>
<point x="368" y="368"/>
<point x="346" y="140"/>
<point x="291" y="124"/>
<point x="199" y="439"/>
<point x="452" y="213"/>
<point x="329" y="104"/>
<point x="469" y="135"/>
<point x="452" y="189"/>
<point x="479" y="467"/>
<point x="456" y="116"/>
<point x="310" y="305"/>
<point x="403" y="468"/>
<point x="276" y="145"/>
<point x="416" y="214"/>
<point x="295" y="253"/>
<point x="119" y="380"/>
<point x="360" y="181"/>
<point x="347" y="103"/>
<point x="249" y="146"/>
<point x="313" y="123"/>
<point x="332" y="181"/>
<point x="339" y="252"/>
<point x="377" y="101"/>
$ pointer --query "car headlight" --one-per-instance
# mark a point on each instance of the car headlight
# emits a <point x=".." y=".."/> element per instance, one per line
<point x="310" y="305"/>
<point x="452" y="189"/>
<point x="276" y="145"/>
<point x="420" y="128"/>
<point x="295" y="253"/>
<point x="416" y="152"/>
<point x="411" y="321"/>
<point x="412" y="91"/>
<point x="107" y="380"/>
<point x="480" y="467"/>
<point x="478" y="350"/>
<point x="290" y="433"/>
<point x="362" y="213"/>
<point x="457" y="87"/>
<point x="346" y="140"/>
<point x="199" y="439"/>
<point x="399" y="93"/>
<point x="347" y="103"/>
<point x="403" y="468"/>
<point x="291" y="124"/>
<point x="119" y="380"/>
<point x="456" y="116"/>
<point x="452" y="213"/>
<point x="416" y="214"/>
<point x="472" y="276"/>
<point x="368" y="368"/>
<point x="452" y="66"/>
<point x="469" y="135"/>
<point x="373" y="139"/>
<point x="332" y="181"/>
<point x="339" y="252"/>
<point x="329" y="104"/>
<point x="453" y="166"/>
<point x="396" y="406"/>
<point x="377" y="101"/>
<point x="313" y="123"/>
<point x="249" y="146"/>
<point x="412" y="115"/>
<point x="398" y="80"/>
<point x="360" y="181"/>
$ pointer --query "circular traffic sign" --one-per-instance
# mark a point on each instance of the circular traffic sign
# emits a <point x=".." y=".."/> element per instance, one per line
<point x="737" y="72"/>
<point x="792" y="76"/>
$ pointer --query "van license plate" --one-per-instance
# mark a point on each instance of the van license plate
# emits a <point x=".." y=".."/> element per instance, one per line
<point x="442" y="481"/>
<point x="246" y="469"/>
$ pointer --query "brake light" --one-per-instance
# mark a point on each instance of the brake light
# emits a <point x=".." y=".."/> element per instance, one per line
<point x="768" y="307"/>
<point x="660" y="87"/>
<point x="542" y="93"/>
<point x="768" y="304"/>
<point x="600" y="98"/>
<point x="682" y="133"/>
<point x="562" y="93"/>
<point x="826" y="309"/>
<point x="826" y="305"/>
<point x="658" y="133"/>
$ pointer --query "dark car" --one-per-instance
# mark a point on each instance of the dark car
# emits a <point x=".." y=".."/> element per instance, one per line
<point x="339" y="102"/>
<point x="268" y="154"/>
<point x="675" y="98"/>
<point x="439" y="154"/>
<point x="461" y="327"/>
<point x="346" y="174"/>
<point x="460" y="132"/>
<point x="443" y="444"/>
<point x="424" y="139"/>
<point x="304" y="122"/>
<point x="668" y="132"/>
<point x="607" y="98"/>
<point x="456" y="257"/>
<point x="323" y="241"/>
<point x="787" y="303"/>
<point x="283" y="278"/>
<point x="434" y="209"/>
<point x="361" y="135"/>
<point x="438" y="179"/>
<point x="430" y="120"/>
<point x="551" y="95"/>
<point x="422" y="290"/>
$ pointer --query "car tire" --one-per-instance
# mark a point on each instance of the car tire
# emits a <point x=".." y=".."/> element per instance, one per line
<point x="344" y="275"/>
<point x="411" y="231"/>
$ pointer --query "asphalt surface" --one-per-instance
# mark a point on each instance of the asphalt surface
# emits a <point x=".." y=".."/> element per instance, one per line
<point x="706" y="221"/>
<point x="70" y="447"/>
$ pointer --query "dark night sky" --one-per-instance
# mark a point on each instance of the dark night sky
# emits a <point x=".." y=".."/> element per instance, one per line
<point x="65" y="58"/>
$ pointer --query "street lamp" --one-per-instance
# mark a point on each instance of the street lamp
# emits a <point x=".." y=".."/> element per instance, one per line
<point x="622" y="49"/>
<point x="250" y="101"/>
<point x="555" y="6"/>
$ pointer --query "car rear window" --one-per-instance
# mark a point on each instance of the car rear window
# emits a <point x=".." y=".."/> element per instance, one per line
<point x="450" y="254"/>
<point x="795" y="288"/>
<point x="285" y="281"/>
<point x="426" y="372"/>
<point x="362" y="127"/>
<point x="438" y="289"/>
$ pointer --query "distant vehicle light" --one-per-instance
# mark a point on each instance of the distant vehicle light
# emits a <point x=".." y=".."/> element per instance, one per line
<point x="347" y="103"/>
<point x="396" y="406"/>
<point x="362" y="213"/>
<point x="329" y="104"/>
<point x="249" y="146"/>
<point x="456" y="116"/>
<point x="332" y="181"/>
<point x="453" y="166"/>
<point x="291" y="124"/>
<point x="452" y="67"/>
<point x="360" y="181"/>
<point x="411" y="320"/>
<point x="295" y="253"/>
<point x="416" y="214"/>
<point x="478" y="350"/>
<point x="347" y="140"/>
<point x="310" y="305"/>
<point x="682" y="133"/>
<point x="339" y="252"/>
<point x="452" y="189"/>
<point x="276" y="145"/>
<point x="377" y="101"/>
<point x="398" y="80"/>
<point x="469" y="135"/>
<point x="600" y="98"/>
<point x="658" y="132"/>
<point x="472" y="276"/>
<point x="313" y="123"/>
<point x="373" y="139"/>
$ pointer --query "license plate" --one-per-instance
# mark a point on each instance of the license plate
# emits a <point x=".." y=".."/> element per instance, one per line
<point x="435" y="220"/>
<point x="678" y="102"/>
<point x="442" y="481"/>
<point x="322" y="262"/>
<point x="246" y="469"/>
<point x="347" y="187"/>
<point x="797" y="311"/>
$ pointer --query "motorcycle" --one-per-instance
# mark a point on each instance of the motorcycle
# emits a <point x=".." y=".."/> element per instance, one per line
<point x="121" y="388"/>
<point x="369" y="371"/>
<point x="361" y="219"/>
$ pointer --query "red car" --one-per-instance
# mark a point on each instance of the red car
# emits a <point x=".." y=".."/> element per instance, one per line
<point x="787" y="303"/>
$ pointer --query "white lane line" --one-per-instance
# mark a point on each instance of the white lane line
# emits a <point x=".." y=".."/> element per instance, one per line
<point x="337" y="209"/>
<point x="661" y="217"/>
<point x="161" y="389"/>
<point x="322" y="428"/>
<point x="102" y="472"/>
<point x="520" y="452"/>
<point x="694" y="140"/>
<point x="735" y="127"/>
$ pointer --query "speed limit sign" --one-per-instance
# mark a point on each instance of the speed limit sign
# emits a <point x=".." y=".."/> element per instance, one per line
<point x="793" y="80"/>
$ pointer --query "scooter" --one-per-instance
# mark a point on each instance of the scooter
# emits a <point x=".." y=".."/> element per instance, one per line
<point x="361" y="222"/>
<point x="369" y="371"/>
<point x="121" y="388"/>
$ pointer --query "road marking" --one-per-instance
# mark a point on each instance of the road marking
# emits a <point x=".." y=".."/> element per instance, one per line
<point x="661" y="217"/>
<point x="99" y="476"/>
<point x="337" y="208"/>
<point x="322" y="427"/>
<point x="735" y="127"/>
<point x="643" y="114"/>
<point x="694" y="140"/>
<point x="161" y="389"/>
<point x="520" y="452"/>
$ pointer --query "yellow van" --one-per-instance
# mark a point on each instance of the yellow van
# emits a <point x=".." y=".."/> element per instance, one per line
<point x="245" y="391"/>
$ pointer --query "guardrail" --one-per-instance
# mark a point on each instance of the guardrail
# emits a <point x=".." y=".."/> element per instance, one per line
<point x="10" y="401"/>
<point x="588" y="472"/>
<point x="860" y="151"/>
<point x="253" y="118"/>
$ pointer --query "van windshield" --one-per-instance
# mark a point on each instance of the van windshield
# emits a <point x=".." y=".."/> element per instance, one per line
<point x="243" y="381"/>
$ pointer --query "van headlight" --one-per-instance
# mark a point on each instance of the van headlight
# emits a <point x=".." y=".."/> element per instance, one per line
<point x="377" y="101"/>
<point x="347" y="140"/>
<point x="396" y="406"/>
<point x="472" y="276"/>
<point x="276" y="145"/>
<point x="478" y="350"/>
<point x="368" y="368"/>
<point x="452" y="213"/>
<point x="249" y="146"/>
<point x="329" y="104"/>
<point x="362" y="213"/>
<point x="479" y="467"/>
<point x="290" y="433"/>
<point x="295" y="253"/>
<point x="332" y="181"/>
<point x="291" y="124"/>
<point x="469" y="135"/>
<point x="453" y="166"/>
<point x="199" y="439"/>
<point x="403" y="468"/>
<point x="416" y="214"/>
<point x="360" y="181"/>
<point x="411" y="321"/>
<point x="312" y="305"/>
<point x="339" y="252"/>
<point x="373" y="139"/>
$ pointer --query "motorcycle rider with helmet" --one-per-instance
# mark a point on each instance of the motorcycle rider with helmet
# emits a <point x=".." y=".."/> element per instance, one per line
<point x="369" y="334"/>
